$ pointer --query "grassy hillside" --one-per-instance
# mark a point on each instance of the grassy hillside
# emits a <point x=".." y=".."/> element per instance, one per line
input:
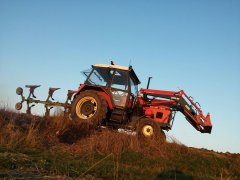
<point x="35" y="147"/>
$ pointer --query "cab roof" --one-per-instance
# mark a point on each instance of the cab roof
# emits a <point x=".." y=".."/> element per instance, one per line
<point x="124" y="68"/>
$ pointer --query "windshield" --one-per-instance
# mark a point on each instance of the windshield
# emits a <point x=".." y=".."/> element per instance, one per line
<point x="99" y="76"/>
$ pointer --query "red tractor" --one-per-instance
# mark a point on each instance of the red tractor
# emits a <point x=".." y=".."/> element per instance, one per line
<point x="110" y="96"/>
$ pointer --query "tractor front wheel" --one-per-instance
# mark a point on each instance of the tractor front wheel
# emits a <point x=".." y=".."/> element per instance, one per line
<point x="89" y="107"/>
<point x="148" y="129"/>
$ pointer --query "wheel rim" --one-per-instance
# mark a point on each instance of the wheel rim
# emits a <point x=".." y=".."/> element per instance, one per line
<point x="86" y="107"/>
<point x="147" y="130"/>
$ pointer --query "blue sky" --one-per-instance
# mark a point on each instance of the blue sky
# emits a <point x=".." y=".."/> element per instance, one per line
<point x="191" y="45"/>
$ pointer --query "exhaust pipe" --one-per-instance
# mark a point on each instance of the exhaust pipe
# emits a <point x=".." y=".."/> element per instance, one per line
<point x="149" y="79"/>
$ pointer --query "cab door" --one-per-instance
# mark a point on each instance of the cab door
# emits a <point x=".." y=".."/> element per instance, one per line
<point x="120" y="88"/>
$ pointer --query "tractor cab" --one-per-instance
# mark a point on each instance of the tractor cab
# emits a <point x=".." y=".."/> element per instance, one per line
<point x="119" y="81"/>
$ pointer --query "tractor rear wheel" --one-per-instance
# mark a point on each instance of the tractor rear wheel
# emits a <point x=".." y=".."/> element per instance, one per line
<point x="89" y="107"/>
<point x="148" y="129"/>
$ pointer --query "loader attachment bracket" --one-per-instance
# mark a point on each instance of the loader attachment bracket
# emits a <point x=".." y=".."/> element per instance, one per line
<point x="193" y="113"/>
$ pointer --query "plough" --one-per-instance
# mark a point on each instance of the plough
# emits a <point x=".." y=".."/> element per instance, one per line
<point x="48" y="103"/>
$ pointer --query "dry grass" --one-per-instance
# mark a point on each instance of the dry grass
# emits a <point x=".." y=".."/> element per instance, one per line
<point x="21" y="129"/>
<point x="61" y="133"/>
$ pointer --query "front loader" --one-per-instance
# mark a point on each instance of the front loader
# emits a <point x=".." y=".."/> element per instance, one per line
<point x="110" y="96"/>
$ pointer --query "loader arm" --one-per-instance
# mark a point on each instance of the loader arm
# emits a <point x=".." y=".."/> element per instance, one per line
<point x="178" y="101"/>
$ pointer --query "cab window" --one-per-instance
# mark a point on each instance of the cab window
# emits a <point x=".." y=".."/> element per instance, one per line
<point x="134" y="89"/>
<point x="120" y="80"/>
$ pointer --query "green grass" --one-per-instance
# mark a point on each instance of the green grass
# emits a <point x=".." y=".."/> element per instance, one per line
<point x="128" y="165"/>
